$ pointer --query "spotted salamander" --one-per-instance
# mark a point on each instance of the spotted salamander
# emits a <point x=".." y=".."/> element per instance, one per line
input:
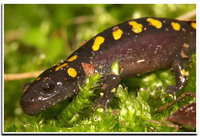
<point x="139" y="45"/>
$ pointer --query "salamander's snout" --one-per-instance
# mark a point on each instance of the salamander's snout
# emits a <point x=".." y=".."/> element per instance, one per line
<point x="28" y="107"/>
<point x="39" y="96"/>
<point x="46" y="91"/>
<point x="36" y="96"/>
<point x="30" y="104"/>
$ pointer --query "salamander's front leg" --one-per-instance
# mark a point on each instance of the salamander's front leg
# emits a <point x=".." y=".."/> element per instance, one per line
<point x="181" y="77"/>
<point x="109" y="85"/>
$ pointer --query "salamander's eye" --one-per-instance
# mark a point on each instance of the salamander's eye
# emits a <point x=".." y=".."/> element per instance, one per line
<point x="26" y="86"/>
<point x="48" y="86"/>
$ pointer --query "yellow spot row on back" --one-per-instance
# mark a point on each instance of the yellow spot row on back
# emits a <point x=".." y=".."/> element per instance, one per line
<point x="117" y="33"/>
<point x="97" y="42"/>
<point x="136" y="28"/>
<point x="72" y="58"/>
<point x="72" y="72"/>
<point x="61" y="66"/>
<point x="193" y="24"/>
<point x="175" y="26"/>
<point x="154" y="22"/>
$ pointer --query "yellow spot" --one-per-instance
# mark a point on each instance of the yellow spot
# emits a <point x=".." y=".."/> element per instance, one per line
<point x="175" y="26"/>
<point x="185" y="73"/>
<point x="72" y="58"/>
<point x="155" y="23"/>
<point x="113" y="90"/>
<point x="97" y="42"/>
<point x="117" y="33"/>
<point x="61" y="66"/>
<point x="72" y="72"/>
<point x="193" y="24"/>
<point x="136" y="27"/>
<point x="38" y="78"/>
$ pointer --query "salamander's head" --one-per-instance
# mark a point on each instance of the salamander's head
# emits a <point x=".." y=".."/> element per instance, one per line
<point x="48" y="89"/>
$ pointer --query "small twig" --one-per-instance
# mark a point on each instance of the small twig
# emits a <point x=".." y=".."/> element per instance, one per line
<point x="165" y="123"/>
<point x="18" y="76"/>
<point x="183" y="95"/>
<point x="187" y="16"/>
<point x="156" y="122"/>
<point x="172" y="125"/>
<point x="80" y="20"/>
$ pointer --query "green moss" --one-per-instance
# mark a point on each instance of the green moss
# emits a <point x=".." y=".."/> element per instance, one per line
<point x="81" y="101"/>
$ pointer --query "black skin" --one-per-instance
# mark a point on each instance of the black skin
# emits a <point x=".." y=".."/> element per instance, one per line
<point x="137" y="53"/>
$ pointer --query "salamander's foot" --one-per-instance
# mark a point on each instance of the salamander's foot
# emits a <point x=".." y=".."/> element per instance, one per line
<point x="172" y="90"/>
<point x="181" y="76"/>
<point x="109" y="88"/>
<point x="101" y="102"/>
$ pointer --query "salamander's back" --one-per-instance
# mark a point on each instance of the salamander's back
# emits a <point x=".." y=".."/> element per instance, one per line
<point x="140" y="46"/>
